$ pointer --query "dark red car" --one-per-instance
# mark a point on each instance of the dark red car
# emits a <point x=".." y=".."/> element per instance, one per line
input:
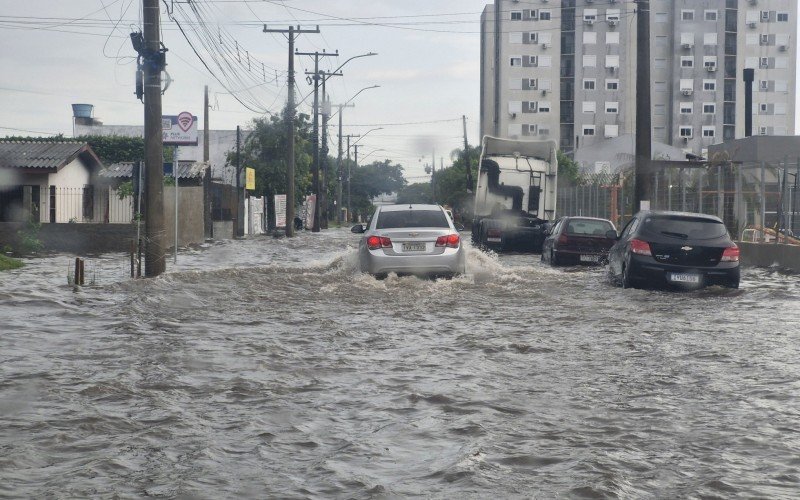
<point x="579" y="240"/>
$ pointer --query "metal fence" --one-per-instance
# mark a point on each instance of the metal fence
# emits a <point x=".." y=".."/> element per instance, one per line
<point x="761" y="196"/>
<point x="51" y="204"/>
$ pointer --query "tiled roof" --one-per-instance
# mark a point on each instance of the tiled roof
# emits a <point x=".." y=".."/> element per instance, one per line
<point x="45" y="155"/>
<point x="186" y="170"/>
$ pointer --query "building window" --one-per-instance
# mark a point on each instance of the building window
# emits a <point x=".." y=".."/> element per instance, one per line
<point x="544" y="15"/>
<point x="612" y="108"/>
<point x="660" y="109"/>
<point x="612" y="37"/>
<point x="763" y="62"/>
<point x="708" y="131"/>
<point x="711" y="15"/>
<point x="709" y="85"/>
<point x="687" y="15"/>
<point x="588" y="130"/>
<point x="589" y="61"/>
<point x="534" y="14"/>
<point x="589" y="107"/>
<point x="589" y="83"/>
<point x="764" y="40"/>
<point x="516" y="15"/>
<point x="709" y="39"/>
<point x="687" y="62"/>
<point x="544" y="106"/>
<point x="709" y="108"/>
<point x="764" y="16"/>
<point x="533" y="83"/>
<point x="516" y="61"/>
<point x="763" y="85"/>
<point x="612" y="84"/>
<point x="783" y="17"/>
<point x="687" y="108"/>
<point x="88" y="202"/>
<point x="661" y="17"/>
<point x="612" y="130"/>
<point x="763" y="108"/>
<point x="589" y="37"/>
<point x="685" y="132"/>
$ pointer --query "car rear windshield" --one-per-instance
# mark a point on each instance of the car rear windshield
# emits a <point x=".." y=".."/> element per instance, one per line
<point x="589" y="227"/>
<point x="411" y="218"/>
<point x="686" y="228"/>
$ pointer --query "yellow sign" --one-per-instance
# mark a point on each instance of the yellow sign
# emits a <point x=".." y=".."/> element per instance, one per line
<point x="250" y="178"/>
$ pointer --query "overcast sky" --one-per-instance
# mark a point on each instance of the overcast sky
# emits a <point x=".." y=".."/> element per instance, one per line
<point x="58" y="53"/>
<point x="55" y="53"/>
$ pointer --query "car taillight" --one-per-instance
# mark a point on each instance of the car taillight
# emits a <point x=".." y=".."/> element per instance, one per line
<point x="730" y="254"/>
<point x="563" y="240"/>
<point x="640" y="247"/>
<point x="376" y="242"/>
<point x="451" y="240"/>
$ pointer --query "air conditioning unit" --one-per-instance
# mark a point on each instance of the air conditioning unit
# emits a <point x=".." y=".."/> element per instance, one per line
<point x="753" y="2"/>
<point x="589" y="21"/>
<point x="687" y="45"/>
<point x="612" y="22"/>
<point x="783" y="48"/>
<point x="686" y="91"/>
<point x="752" y="25"/>
<point x="544" y="45"/>
<point x="613" y="69"/>
<point x="711" y="69"/>
<point x="685" y="139"/>
<point x="544" y="131"/>
<point x="544" y="91"/>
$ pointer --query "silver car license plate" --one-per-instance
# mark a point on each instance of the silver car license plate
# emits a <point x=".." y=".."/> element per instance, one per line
<point x="684" y="278"/>
<point x="589" y="258"/>
<point x="413" y="247"/>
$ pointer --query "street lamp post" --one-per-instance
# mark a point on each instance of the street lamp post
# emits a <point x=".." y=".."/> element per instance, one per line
<point x="340" y="173"/>
<point x="355" y="144"/>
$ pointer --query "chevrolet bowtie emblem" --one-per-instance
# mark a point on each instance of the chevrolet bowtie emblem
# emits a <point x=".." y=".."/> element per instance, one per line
<point x="686" y="249"/>
<point x="413" y="235"/>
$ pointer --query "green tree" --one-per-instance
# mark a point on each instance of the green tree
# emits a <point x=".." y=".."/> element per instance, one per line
<point x="451" y="182"/>
<point x="374" y="179"/>
<point x="264" y="150"/>
<point x="419" y="192"/>
<point x="567" y="168"/>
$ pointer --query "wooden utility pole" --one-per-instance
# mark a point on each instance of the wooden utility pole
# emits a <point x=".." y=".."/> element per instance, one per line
<point x="239" y="200"/>
<point x="466" y="156"/>
<point x="208" y="224"/>
<point x="326" y="113"/>
<point x="339" y="169"/>
<point x="291" y="34"/>
<point x="155" y="261"/>
<point x="316" y="168"/>
<point x="643" y="108"/>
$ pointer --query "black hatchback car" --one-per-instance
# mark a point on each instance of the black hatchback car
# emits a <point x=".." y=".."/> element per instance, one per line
<point x="579" y="240"/>
<point x="674" y="249"/>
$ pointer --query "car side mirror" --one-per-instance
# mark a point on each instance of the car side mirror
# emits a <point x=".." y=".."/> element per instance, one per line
<point x="611" y="234"/>
<point x="459" y="226"/>
<point x="358" y="228"/>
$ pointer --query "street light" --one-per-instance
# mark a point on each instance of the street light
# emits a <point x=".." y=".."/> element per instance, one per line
<point x="370" y="153"/>
<point x="348" y="163"/>
<point x="340" y="174"/>
<point x="347" y="61"/>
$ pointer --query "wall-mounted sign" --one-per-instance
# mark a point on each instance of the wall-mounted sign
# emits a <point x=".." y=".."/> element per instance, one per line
<point x="250" y="179"/>
<point x="179" y="130"/>
<point x="280" y="210"/>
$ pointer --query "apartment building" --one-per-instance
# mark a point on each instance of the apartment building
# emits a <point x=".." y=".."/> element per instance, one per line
<point x="566" y="70"/>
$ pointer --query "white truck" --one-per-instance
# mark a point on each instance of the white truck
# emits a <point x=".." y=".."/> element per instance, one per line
<point x="515" y="199"/>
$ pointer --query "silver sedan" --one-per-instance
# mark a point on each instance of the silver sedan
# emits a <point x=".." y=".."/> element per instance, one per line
<point x="410" y="239"/>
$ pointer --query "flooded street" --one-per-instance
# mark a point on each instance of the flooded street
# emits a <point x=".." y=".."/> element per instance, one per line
<point x="270" y="368"/>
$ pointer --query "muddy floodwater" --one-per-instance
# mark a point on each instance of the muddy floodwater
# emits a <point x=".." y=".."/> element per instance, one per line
<point x="270" y="368"/>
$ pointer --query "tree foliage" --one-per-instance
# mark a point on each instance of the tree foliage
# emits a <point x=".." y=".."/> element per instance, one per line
<point x="372" y="180"/>
<point x="264" y="150"/>
<point x="567" y="168"/>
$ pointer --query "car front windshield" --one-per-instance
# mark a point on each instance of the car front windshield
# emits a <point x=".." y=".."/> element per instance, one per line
<point x="411" y="218"/>
<point x="692" y="228"/>
<point x="589" y="227"/>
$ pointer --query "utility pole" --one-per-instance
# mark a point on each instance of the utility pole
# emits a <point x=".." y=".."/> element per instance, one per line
<point x="643" y="109"/>
<point x="208" y="224"/>
<point x="315" y="170"/>
<point x="433" y="175"/>
<point x="155" y="261"/>
<point x="355" y="160"/>
<point x="466" y="156"/>
<point x="340" y="171"/>
<point x="292" y="34"/>
<point x="239" y="215"/>
<point x="326" y="113"/>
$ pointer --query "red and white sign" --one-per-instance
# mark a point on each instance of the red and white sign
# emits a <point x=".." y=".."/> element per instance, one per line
<point x="179" y="130"/>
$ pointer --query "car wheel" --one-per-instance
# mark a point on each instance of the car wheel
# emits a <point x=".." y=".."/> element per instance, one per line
<point x="627" y="282"/>
<point x="732" y="284"/>
<point x="554" y="259"/>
